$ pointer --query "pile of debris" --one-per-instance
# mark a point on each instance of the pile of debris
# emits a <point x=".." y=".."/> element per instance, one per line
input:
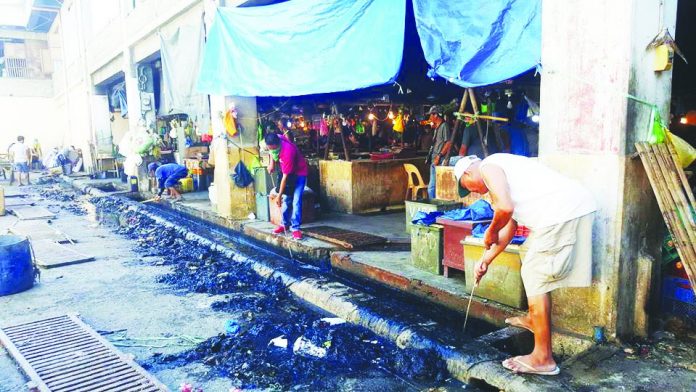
<point x="271" y="340"/>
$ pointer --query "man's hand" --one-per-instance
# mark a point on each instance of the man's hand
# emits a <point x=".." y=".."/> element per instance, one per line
<point x="436" y="160"/>
<point x="278" y="200"/>
<point x="490" y="238"/>
<point x="479" y="270"/>
<point x="158" y="198"/>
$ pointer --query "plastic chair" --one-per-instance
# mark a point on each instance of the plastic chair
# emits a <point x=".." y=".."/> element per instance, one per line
<point x="415" y="182"/>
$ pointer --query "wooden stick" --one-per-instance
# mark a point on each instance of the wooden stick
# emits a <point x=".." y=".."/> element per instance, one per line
<point x="649" y="163"/>
<point x="482" y="116"/>
<point x="455" y="131"/>
<point x="685" y="222"/>
<point x="684" y="249"/>
<point x="329" y="141"/>
<point x="484" y="146"/>
<point x="682" y="175"/>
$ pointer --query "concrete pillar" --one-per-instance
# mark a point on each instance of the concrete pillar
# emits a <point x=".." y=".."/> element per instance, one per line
<point x="593" y="55"/>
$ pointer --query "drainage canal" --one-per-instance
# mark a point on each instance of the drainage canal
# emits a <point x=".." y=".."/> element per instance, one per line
<point x="273" y="340"/>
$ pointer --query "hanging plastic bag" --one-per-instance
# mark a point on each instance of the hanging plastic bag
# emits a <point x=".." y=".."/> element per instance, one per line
<point x="242" y="177"/>
<point x="656" y="131"/>
<point x="685" y="151"/>
<point x="230" y="122"/>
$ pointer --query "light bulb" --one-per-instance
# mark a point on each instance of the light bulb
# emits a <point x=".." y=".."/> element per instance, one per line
<point x="509" y="105"/>
<point x="302" y="124"/>
<point x="371" y="116"/>
<point x="390" y="115"/>
<point x="683" y="120"/>
<point x="289" y="124"/>
<point x="535" y="118"/>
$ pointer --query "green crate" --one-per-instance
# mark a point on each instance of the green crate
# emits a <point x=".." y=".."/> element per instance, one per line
<point x="428" y="206"/>
<point x="263" y="211"/>
<point x="426" y="247"/>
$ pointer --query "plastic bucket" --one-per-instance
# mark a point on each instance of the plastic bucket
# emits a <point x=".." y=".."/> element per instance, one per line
<point x="16" y="267"/>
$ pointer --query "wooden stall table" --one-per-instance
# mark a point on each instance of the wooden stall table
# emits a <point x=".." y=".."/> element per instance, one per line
<point x="362" y="185"/>
<point x="446" y="187"/>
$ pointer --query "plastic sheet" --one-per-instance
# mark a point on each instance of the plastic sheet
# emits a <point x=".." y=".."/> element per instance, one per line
<point x="303" y="47"/>
<point x="476" y="43"/>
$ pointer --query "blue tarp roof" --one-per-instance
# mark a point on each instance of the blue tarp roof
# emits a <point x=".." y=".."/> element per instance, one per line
<point x="303" y="47"/>
<point x="477" y="43"/>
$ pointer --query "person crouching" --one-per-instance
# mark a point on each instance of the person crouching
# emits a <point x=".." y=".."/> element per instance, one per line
<point x="167" y="175"/>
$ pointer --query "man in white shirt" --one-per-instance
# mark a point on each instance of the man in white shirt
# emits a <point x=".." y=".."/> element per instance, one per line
<point x="21" y="156"/>
<point x="559" y="212"/>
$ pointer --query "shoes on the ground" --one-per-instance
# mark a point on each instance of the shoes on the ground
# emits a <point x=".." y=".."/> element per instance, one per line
<point x="297" y="235"/>
<point x="279" y="230"/>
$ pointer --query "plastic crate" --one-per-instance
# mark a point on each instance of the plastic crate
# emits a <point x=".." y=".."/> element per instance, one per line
<point x="678" y="308"/>
<point x="678" y="289"/>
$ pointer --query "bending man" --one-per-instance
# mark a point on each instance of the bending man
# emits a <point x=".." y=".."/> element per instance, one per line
<point x="167" y="175"/>
<point x="294" y="169"/>
<point x="559" y="212"/>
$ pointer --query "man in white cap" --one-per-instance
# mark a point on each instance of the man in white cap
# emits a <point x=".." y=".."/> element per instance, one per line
<point x="559" y="212"/>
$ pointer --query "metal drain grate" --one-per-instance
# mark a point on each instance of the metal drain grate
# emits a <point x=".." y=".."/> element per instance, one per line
<point x="63" y="354"/>
<point x="348" y="239"/>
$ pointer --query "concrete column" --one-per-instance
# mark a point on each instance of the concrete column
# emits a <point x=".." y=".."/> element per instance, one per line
<point x="593" y="55"/>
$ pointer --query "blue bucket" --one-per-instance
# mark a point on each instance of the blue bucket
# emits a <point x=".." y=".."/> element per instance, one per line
<point x="16" y="266"/>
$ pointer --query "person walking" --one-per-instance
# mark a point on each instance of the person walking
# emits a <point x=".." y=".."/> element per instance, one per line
<point x="559" y="213"/>
<point x="293" y="167"/>
<point x="21" y="156"/>
<point x="167" y="175"/>
<point x="440" y="145"/>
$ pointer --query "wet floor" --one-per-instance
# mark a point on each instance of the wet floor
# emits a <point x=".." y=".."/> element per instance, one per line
<point x="270" y="340"/>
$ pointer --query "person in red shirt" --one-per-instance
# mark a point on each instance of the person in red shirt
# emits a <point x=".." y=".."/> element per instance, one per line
<point x="293" y="167"/>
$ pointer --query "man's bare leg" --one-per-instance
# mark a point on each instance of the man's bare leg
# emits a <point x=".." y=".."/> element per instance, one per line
<point x="541" y="357"/>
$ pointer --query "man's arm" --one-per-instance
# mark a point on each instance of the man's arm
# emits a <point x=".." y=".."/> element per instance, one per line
<point x="498" y="188"/>
<point x="505" y="236"/>
<point x="281" y="189"/>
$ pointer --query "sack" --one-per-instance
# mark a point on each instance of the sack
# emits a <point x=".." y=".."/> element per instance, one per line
<point x="242" y="177"/>
<point x="685" y="151"/>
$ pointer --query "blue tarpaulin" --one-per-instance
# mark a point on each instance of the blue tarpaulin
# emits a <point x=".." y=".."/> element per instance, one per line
<point x="480" y="42"/>
<point x="303" y="47"/>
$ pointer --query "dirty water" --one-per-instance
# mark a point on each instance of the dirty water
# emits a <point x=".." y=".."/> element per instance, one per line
<point x="313" y="354"/>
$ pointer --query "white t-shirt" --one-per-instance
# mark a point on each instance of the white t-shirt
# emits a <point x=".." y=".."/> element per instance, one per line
<point x="19" y="152"/>
<point x="541" y="197"/>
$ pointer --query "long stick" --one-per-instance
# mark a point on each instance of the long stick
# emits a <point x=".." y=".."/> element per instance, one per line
<point x="455" y="131"/>
<point x="484" y="146"/>
<point x="471" y="296"/>
<point x="281" y="200"/>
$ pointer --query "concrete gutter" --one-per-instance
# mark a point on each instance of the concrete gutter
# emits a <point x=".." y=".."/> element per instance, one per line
<point x="477" y="359"/>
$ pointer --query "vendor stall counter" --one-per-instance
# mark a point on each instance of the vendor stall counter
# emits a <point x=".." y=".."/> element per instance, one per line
<point x="362" y="186"/>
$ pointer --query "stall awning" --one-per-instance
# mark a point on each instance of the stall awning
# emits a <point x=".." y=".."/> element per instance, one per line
<point x="303" y="47"/>
<point x="476" y="43"/>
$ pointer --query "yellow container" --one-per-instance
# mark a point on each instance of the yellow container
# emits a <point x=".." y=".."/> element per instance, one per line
<point x="502" y="283"/>
<point x="186" y="184"/>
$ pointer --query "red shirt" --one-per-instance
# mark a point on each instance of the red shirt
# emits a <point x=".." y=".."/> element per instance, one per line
<point x="291" y="159"/>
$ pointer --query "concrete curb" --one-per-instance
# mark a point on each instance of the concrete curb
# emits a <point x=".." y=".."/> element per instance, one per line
<point x="477" y="359"/>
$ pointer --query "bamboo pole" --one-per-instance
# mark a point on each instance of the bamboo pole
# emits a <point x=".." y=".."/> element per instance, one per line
<point x="682" y="175"/>
<point x="686" y="251"/>
<point x="484" y="146"/>
<point x="455" y="131"/>
<point x="668" y="214"/>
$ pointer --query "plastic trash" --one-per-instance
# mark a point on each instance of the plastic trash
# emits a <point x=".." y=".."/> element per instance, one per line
<point x="231" y="327"/>
<point x="333" y="320"/>
<point x="280" y="342"/>
<point x="306" y="348"/>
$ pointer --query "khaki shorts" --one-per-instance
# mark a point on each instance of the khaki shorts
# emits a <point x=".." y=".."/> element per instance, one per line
<point x="558" y="256"/>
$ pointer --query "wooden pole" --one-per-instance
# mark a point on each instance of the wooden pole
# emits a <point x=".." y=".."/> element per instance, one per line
<point x="346" y="150"/>
<point x="455" y="131"/>
<point x="329" y="141"/>
<point x="484" y="146"/>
